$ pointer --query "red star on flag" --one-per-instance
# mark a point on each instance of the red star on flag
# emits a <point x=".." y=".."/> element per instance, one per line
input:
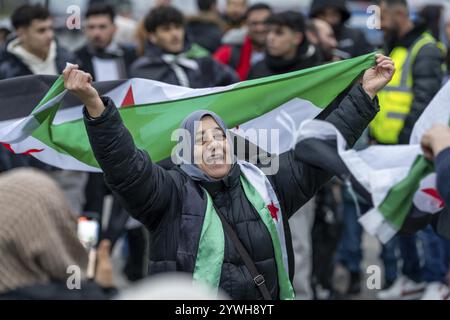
<point x="273" y="211"/>
<point x="129" y="98"/>
<point x="435" y="195"/>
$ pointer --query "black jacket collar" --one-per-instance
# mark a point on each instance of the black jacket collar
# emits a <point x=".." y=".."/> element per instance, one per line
<point x="230" y="181"/>
<point x="307" y="56"/>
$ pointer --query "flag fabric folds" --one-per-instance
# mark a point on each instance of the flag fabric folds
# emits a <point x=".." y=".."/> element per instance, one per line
<point x="47" y="122"/>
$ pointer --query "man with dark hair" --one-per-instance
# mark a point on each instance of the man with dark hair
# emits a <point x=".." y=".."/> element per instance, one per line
<point x="35" y="51"/>
<point x="287" y="48"/>
<point x="102" y="56"/>
<point x="206" y="28"/>
<point x="234" y="14"/>
<point x="170" y="58"/>
<point x="320" y="33"/>
<point x="336" y="13"/>
<point x="241" y="56"/>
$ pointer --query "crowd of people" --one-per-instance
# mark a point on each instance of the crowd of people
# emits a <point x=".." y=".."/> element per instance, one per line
<point x="211" y="49"/>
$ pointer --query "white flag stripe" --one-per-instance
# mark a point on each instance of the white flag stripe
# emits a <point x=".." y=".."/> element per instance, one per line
<point x="287" y="118"/>
<point x="438" y="111"/>
<point x="21" y="128"/>
<point x="375" y="224"/>
<point x="51" y="156"/>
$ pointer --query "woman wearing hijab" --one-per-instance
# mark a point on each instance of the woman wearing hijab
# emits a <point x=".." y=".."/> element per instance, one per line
<point x="38" y="242"/>
<point x="190" y="209"/>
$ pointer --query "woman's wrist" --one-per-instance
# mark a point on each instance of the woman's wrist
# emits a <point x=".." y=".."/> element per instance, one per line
<point x="94" y="106"/>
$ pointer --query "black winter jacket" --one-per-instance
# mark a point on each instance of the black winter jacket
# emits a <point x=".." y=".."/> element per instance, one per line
<point x="209" y="74"/>
<point x="206" y="30"/>
<point x="11" y="66"/>
<point x="172" y="206"/>
<point x="128" y="56"/>
<point x="307" y="56"/>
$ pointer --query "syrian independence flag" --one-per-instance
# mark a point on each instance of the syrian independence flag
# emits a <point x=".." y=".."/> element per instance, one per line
<point x="51" y="128"/>
<point x="397" y="179"/>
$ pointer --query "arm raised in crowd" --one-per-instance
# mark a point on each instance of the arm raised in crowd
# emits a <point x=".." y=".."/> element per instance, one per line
<point x="297" y="181"/>
<point x="146" y="190"/>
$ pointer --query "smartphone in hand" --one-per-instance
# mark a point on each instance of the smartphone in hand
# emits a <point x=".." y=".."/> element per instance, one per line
<point x="89" y="229"/>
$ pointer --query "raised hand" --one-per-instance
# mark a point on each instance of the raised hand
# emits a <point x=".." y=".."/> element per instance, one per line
<point x="80" y="83"/>
<point x="378" y="77"/>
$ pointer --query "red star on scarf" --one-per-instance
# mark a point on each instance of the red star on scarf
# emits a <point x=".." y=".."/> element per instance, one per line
<point x="434" y="194"/>
<point x="273" y="211"/>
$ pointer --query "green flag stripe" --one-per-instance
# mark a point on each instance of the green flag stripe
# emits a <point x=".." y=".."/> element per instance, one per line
<point x="151" y="125"/>
<point x="56" y="88"/>
<point x="399" y="201"/>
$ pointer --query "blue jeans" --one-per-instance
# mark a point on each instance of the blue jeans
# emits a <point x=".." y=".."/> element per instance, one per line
<point x="447" y="252"/>
<point x="350" y="252"/>
<point x="433" y="264"/>
<point x="411" y="266"/>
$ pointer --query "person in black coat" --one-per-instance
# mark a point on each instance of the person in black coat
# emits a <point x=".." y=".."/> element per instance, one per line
<point x="287" y="48"/>
<point x="170" y="58"/>
<point x="102" y="56"/>
<point x="172" y="203"/>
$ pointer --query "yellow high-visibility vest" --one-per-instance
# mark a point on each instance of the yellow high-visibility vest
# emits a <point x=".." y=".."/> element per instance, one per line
<point x="397" y="97"/>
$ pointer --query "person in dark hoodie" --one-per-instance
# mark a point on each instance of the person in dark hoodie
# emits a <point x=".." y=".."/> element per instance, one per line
<point x="336" y="13"/>
<point x="170" y="58"/>
<point x="208" y="190"/>
<point x="42" y="256"/>
<point x="288" y="48"/>
<point x="206" y="28"/>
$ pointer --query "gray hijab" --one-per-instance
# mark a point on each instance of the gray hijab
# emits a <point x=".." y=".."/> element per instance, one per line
<point x="189" y="127"/>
